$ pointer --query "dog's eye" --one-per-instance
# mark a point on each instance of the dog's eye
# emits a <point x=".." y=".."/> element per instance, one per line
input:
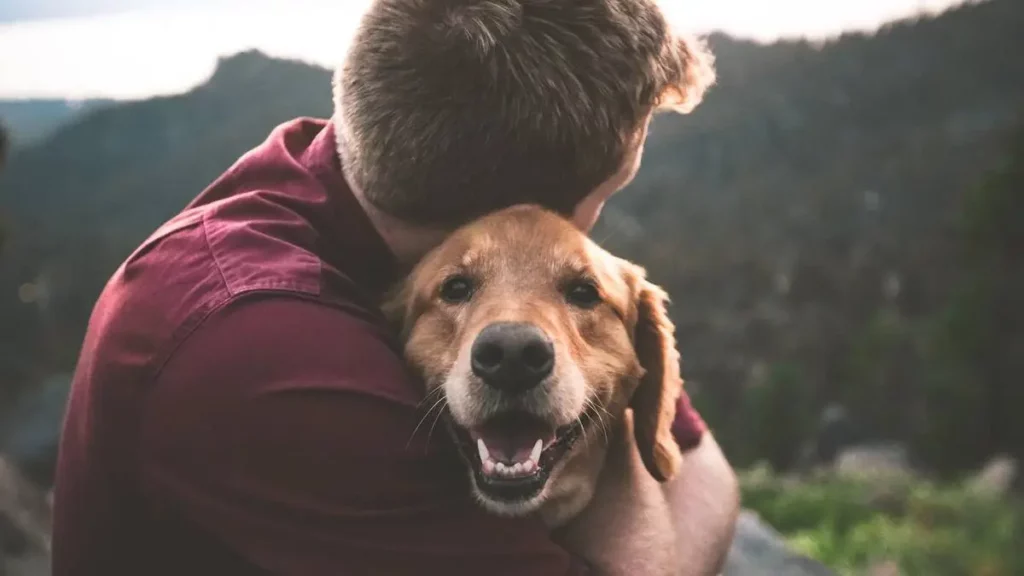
<point x="583" y="293"/>
<point x="457" y="289"/>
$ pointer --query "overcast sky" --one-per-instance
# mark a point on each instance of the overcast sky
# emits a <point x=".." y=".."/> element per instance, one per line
<point x="139" y="48"/>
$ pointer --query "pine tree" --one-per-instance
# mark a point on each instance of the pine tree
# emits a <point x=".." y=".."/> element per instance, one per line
<point x="974" y="392"/>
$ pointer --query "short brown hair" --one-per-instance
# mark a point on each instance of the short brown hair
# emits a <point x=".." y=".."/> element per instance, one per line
<point x="450" y="109"/>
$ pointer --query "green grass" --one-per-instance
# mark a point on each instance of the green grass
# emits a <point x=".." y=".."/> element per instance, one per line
<point x="928" y="530"/>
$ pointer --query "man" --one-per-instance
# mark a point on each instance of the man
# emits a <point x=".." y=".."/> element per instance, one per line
<point x="241" y="408"/>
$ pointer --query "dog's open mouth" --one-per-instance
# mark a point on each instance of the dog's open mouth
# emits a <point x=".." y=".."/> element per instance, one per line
<point x="513" y="453"/>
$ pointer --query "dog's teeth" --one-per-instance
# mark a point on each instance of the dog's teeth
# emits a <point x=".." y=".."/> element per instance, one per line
<point x="525" y="467"/>
<point x="535" y="454"/>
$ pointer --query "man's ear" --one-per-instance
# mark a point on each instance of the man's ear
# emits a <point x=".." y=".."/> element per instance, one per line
<point x="654" y="401"/>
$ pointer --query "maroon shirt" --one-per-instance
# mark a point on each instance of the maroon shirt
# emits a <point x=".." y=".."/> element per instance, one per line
<point x="240" y="407"/>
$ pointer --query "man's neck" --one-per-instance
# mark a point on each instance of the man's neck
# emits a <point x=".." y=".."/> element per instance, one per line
<point x="407" y="242"/>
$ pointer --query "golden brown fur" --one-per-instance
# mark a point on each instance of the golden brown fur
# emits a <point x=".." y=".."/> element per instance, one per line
<point x="616" y="368"/>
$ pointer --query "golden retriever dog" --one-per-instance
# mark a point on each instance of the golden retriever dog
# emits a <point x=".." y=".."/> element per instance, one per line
<point x="556" y="366"/>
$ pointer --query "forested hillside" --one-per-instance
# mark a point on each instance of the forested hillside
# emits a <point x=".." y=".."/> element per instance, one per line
<point x="30" y="121"/>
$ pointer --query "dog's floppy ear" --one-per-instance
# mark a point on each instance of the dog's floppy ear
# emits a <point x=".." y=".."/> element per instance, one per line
<point x="654" y="401"/>
<point x="395" y="305"/>
<point x="399" y="307"/>
<point x="403" y="304"/>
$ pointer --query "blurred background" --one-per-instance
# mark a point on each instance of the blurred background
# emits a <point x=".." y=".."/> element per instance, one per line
<point x="840" y="223"/>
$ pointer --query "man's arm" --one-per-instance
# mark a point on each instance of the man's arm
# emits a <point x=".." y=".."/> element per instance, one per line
<point x="285" y="431"/>
<point x="634" y="525"/>
<point x="704" y="497"/>
<point x="705" y="502"/>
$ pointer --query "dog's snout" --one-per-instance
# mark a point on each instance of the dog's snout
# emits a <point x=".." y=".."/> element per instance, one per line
<point x="512" y="356"/>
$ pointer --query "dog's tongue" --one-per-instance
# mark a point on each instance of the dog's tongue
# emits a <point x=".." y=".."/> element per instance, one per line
<point x="513" y="437"/>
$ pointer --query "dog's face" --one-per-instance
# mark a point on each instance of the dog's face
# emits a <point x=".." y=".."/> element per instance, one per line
<point x="531" y="337"/>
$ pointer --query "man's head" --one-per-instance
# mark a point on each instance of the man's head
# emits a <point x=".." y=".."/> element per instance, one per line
<point x="450" y="109"/>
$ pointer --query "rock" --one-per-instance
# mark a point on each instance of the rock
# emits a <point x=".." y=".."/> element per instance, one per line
<point x="31" y="433"/>
<point x="874" y="462"/>
<point x="835" y="433"/>
<point x="995" y="478"/>
<point x="24" y="513"/>
<point x="759" y="550"/>
<point x="25" y="524"/>
<point x="30" y="565"/>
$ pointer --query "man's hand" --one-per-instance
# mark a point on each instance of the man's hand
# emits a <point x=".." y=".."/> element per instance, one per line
<point x="627" y="528"/>
<point x="705" y="502"/>
<point x="634" y="525"/>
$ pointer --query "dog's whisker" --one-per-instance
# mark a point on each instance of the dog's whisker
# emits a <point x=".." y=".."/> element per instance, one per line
<point x="585" y="414"/>
<point x="604" y="240"/>
<point x="586" y="439"/>
<point x="583" y="429"/>
<point x="603" y="427"/>
<point x="439" y="401"/>
<point x="594" y="415"/>
<point x="605" y="418"/>
<point x="427" y="398"/>
<point x="437" y="418"/>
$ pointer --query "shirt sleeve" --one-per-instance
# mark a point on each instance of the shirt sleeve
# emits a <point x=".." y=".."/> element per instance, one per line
<point x="688" y="426"/>
<point x="286" y="430"/>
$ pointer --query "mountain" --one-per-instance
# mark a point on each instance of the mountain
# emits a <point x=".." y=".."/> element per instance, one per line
<point x="803" y="217"/>
<point x="30" y="121"/>
<point x="76" y="205"/>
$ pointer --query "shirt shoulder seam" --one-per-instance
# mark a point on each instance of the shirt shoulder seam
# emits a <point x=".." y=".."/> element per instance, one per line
<point x="213" y="305"/>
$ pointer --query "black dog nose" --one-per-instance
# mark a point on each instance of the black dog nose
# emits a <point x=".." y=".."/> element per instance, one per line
<point x="512" y="356"/>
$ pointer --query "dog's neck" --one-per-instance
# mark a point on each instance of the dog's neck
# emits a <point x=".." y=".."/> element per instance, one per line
<point x="582" y="472"/>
